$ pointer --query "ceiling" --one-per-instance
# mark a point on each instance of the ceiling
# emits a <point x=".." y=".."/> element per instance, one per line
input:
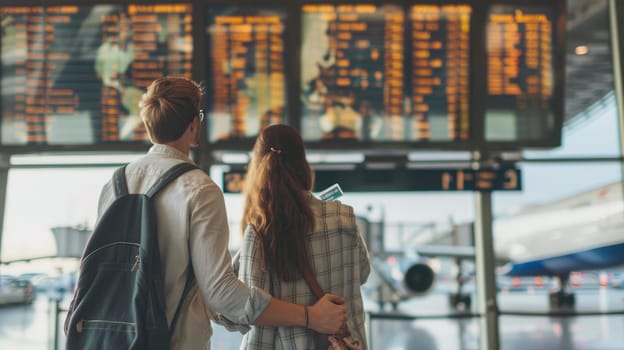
<point x="589" y="77"/>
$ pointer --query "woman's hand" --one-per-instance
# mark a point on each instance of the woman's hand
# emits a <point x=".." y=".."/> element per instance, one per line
<point x="328" y="315"/>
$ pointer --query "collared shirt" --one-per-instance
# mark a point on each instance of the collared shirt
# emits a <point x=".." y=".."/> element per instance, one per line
<point x="340" y="264"/>
<point x="191" y="213"/>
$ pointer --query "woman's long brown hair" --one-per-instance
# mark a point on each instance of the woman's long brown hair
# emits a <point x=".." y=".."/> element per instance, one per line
<point x="276" y="187"/>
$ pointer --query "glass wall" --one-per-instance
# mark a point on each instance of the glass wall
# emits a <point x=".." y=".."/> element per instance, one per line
<point x="571" y="200"/>
<point x="568" y="217"/>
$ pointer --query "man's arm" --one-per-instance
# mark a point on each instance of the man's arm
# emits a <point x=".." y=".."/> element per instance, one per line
<point x="221" y="290"/>
<point x="328" y="315"/>
<point x="325" y="316"/>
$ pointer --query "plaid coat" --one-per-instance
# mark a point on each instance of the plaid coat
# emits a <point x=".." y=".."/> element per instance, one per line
<point x="340" y="264"/>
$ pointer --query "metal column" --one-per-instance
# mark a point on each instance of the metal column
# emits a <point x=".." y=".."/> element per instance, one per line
<point x="4" y="178"/>
<point x="486" y="277"/>
<point x="616" y="19"/>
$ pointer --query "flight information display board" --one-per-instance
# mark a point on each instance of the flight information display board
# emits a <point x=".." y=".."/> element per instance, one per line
<point x="358" y="76"/>
<point x="520" y="46"/>
<point x="352" y="71"/>
<point x="75" y="74"/>
<point x="440" y="94"/>
<point x="358" y="84"/>
<point x="246" y="50"/>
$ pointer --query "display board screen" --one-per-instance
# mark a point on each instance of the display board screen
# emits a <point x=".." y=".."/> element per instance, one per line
<point x="521" y="102"/>
<point x="363" y="76"/>
<point x="440" y="93"/>
<point x="75" y="74"/>
<point x="358" y="84"/>
<point x="352" y="57"/>
<point x="247" y="72"/>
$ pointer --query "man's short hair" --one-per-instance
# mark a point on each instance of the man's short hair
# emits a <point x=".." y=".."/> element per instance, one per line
<point x="168" y="107"/>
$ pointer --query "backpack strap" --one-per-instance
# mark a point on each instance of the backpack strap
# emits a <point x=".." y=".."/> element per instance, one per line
<point x="190" y="278"/>
<point x="169" y="176"/>
<point x="163" y="181"/>
<point x="119" y="182"/>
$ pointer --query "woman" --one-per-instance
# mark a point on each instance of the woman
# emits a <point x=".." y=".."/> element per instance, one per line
<point x="286" y="228"/>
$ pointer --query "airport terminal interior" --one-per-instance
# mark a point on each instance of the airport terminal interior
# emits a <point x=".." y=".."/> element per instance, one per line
<point x="479" y="143"/>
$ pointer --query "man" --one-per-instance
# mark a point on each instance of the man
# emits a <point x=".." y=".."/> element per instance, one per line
<point x="192" y="219"/>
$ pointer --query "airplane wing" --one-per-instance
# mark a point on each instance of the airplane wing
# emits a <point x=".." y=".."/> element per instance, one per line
<point x="7" y="262"/>
<point x="447" y="251"/>
<point x="444" y="251"/>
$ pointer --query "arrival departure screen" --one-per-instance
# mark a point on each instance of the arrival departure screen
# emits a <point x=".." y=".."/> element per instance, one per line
<point x="246" y="73"/>
<point x="520" y="53"/>
<point x="374" y="75"/>
<point x="440" y="73"/>
<point x="75" y="74"/>
<point x="354" y="80"/>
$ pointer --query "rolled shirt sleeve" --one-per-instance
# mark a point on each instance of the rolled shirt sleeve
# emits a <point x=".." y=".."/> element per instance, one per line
<point x="222" y="291"/>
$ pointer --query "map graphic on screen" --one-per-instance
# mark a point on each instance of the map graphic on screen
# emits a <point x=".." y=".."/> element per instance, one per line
<point x="352" y="68"/>
<point x="359" y="85"/>
<point x="246" y="71"/>
<point x="75" y="74"/>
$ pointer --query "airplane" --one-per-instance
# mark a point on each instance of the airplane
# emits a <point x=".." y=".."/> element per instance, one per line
<point x="577" y="233"/>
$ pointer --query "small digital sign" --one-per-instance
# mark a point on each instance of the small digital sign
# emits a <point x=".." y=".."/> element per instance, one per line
<point x="246" y="50"/>
<point x="504" y="179"/>
<point x="75" y="74"/>
<point x="520" y="47"/>
<point x="361" y="179"/>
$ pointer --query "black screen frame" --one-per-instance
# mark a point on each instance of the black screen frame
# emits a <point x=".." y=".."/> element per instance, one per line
<point x="293" y="10"/>
<point x="559" y="53"/>
<point x="117" y="146"/>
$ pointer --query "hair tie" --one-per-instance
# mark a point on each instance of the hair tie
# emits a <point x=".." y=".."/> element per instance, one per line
<point x="275" y="150"/>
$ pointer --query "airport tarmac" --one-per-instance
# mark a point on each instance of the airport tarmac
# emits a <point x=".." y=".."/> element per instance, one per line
<point x="31" y="327"/>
